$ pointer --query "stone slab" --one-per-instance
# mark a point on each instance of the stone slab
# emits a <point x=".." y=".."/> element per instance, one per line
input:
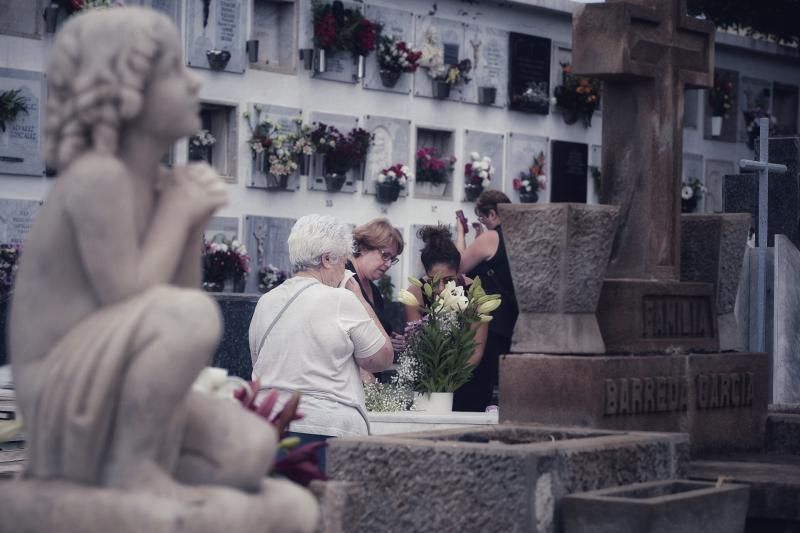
<point x="415" y="421"/>
<point x="233" y="353"/>
<point x="645" y="393"/>
<point x="783" y="431"/>
<point x="658" y="507"/>
<point x="786" y="327"/>
<point x="506" y="478"/>
<point x="740" y="195"/>
<point x="639" y="317"/>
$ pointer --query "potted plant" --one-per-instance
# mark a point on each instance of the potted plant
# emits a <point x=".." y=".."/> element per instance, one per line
<point x="200" y="146"/>
<point x="225" y="264"/>
<point x="453" y="75"/>
<point x="433" y="172"/>
<point x="577" y="97"/>
<point x="690" y="194"/>
<point x="442" y="343"/>
<point x="12" y="103"/>
<point x="340" y="153"/>
<point x="394" y="59"/>
<point x="337" y="29"/>
<point x="390" y="182"/>
<point x="9" y="263"/>
<point x="218" y="59"/>
<point x="530" y="182"/>
<point x="270" y="277"/>
<point x="720" y="100"/>
<point x="478" y="174"/>
<point x="276" y="150"/>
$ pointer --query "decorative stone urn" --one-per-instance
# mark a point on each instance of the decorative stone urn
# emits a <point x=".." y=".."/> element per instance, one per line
<point x="558" y="255"/>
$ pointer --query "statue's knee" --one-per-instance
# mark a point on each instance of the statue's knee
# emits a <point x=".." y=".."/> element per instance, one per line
<point x="190" y="316"/>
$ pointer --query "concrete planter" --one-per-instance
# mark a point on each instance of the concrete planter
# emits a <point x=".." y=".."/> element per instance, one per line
<point x="558" y="255"/>
<point x="658" y="507"/>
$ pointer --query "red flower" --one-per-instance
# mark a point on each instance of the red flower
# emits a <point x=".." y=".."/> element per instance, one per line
<point x="365" y="37"/>
<point x="325" y="31"/>
<point x="517" y="184"/>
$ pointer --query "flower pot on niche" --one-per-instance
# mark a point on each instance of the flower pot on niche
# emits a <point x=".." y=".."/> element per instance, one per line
<point x="441" y="89"/>
<point x="252" y="51"/>
<point x="277" y="183"/>
<point x="334" y="182"/>
<point x="716" y="126"/>
<point x="435" y="402"/>
<point x="471" y="192"/>
<point x="487" y="95"/>
<point x="307" y="57"/>
<point x="50" y="15"/>
<point x="529" y="197"/>
<point x="570" y="117"/>
<point x="389" y="78"/>
<point x="358" y="67"/>
<point x="320" y="60"/>
<point x="387" y="193"/>
<point x="218" y="59"/>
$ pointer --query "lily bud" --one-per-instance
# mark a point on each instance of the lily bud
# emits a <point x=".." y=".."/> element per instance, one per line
<point x="488" y="307"/>
<point x="415" y="282"/>
<point x="485" y="318"/>
<point x="407" y="298"/>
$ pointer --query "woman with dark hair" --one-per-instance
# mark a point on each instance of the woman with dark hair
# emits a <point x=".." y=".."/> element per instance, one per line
<point x="441" y="259"/>
<point x="486" y="257"/>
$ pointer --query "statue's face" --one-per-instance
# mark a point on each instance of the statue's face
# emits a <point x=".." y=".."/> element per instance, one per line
<point x="171" y="100"/>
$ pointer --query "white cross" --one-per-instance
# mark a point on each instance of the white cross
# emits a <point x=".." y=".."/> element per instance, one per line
<point x="764" y="167"/>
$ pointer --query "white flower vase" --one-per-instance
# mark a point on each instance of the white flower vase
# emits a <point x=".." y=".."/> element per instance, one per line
<point x="434" y="402"/>
<point x="716" y="126"/>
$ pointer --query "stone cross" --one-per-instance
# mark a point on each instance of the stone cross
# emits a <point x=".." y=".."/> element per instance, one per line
<point x="647" y="52"/>
<point x="763" y="166"/>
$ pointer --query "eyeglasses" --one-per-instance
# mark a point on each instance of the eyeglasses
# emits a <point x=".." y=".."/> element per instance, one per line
<point x="388" y="257"/>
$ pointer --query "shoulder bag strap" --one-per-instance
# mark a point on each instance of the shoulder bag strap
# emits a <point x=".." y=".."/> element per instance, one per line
<point x="280" y="314"/>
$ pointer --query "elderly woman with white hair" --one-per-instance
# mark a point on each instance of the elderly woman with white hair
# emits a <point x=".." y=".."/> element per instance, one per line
<point x="313" y="333"/>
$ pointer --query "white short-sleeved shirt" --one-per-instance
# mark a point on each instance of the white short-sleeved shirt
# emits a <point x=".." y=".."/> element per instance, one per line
<point x="312" y="348"/>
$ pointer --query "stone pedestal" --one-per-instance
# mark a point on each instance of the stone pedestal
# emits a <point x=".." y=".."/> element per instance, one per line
<point x="558" y="256"/>
<point x="719" y="399"/>
<point x="712" y="250"/>
<point x="640" y="317"/>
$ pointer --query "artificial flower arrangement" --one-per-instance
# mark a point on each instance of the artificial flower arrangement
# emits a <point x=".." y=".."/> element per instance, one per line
<point x="691" y="192"/>
<point x="270" y="277"/>
<point x="535" y="94"/>
<point x="337" y="29"/>
<point x="440" y="345"/>
<point x="200" y="146"/>
<point x="533" y="180"/>
<point x="12" y="103"/>
<point x="431" y="168"/>
<point x="277" y="150"/>
<point x="478" y="174"/>
<point x="720" y="97"/>
<point x="395" y="58"/>
<point x="9" y="263"/>
<point x="342" y="152"/>
<point x="391" y="181"/>
<point x="577" y="97"/>
<point x="224" y="260"/>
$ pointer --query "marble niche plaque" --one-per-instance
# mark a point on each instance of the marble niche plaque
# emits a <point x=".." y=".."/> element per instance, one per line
<point x="222" y="228"/>
<point x="16" y="219"/>
<point x="219" y="28"/>
<point x="784" y="108"/>
<point x="341" y="65"/>
<point x="716" y="170"/>
<point x="569" y="170"/>
<point x="398" y="24"/>
<point x="522" y="149"/>
<point x="691" y="108"/>
<point x="266" y="240"/>
<point x="285" y="117"/>
<point x="529" y="68"/>
<point x="21" y="140"/>
<point x="391" y="145"/>
<point x="487" y="48"/>
<point x="693" y="170"/>
<point x="22" y="19"/>
<point x="486" y="144"/>
<point x="343" y="123"/>
<point x="451" y="44"/>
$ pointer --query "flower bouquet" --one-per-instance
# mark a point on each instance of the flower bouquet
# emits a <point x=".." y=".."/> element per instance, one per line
<point x="478" y="174"/>
<point x="690" y="194"/>
<point x="432" y="169"/>
<point x="530" y="182"/>
<point x="337" y="29"/>
<point x="535" y="96"/>
<point x="277" y="150"/>
<point x="225" y="263"/>
<point x="577" y="97"/>
<point x="341" y="152"/>
<point x="720" y="101"/>
<point x="440" y="345"/>
<point x="200" y="146"/>
<point x="395" y="58"/>
<point x="270" y="277"/>
<point x="9" y="263"/>
<point x="391" y="181"/>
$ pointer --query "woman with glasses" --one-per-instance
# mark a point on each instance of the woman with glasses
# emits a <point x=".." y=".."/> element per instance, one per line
<point x="441" y="259"/>
<point x="486" y="257"/>
<point x="377" y="247"/>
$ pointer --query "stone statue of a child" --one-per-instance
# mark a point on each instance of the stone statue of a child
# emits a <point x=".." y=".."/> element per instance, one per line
<point x="108" y="330"/>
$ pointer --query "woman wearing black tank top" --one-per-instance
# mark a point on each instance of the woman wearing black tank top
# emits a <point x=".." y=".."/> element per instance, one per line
<point x="486" y="257"/>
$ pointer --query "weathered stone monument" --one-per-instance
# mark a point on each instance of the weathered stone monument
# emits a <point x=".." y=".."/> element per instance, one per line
<point x="661" y="370"/>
